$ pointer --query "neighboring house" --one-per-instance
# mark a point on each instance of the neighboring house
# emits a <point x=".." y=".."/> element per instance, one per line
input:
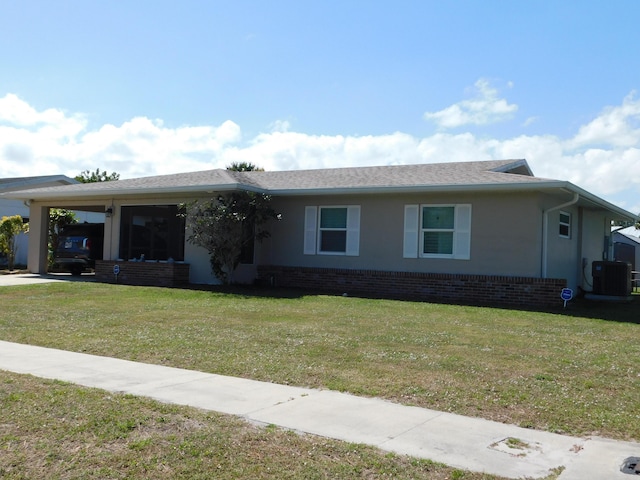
<point x="485" y="231"/>
<point x="626" y="244"/>
<point x="10" y="207"/>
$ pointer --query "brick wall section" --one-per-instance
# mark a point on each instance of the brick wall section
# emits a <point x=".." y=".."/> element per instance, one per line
<point x="439" y="287"/>
<point x="143" y="273"/>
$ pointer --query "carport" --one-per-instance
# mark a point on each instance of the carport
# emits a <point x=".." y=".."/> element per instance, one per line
<point x="141" y="219"/>
<point x="39" y="230"/>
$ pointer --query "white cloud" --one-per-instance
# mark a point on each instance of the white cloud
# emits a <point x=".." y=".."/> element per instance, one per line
<point x="603" y="157"/>
<point x="280" y="126"/>
<point x="292" y="150"/>
<point x="616" y="126"/>
<point x="143" y="147"/>
<point x="483" y="109"/>
<point x="52" y="122"/>
<point x="17" y="112"/>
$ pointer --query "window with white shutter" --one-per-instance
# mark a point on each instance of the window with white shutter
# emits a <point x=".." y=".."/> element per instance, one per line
<point x="332" y="230"/>
<point x="437" y="231"/>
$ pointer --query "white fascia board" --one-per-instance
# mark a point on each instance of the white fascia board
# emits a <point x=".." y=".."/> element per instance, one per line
<point x="126" y="192"/>
<point x="557" y="185"/>
<point x="599" y="202"/>
<point x="33" y="182"/>
<point x="38" y="194"/>
<point x="515" y="164"/>
<point x="421" y="189"/>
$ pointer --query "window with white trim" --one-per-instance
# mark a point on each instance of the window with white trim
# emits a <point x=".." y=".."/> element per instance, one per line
<point x="437" y="231"/>
<point x="564" y="225"/>
<point x="332" y="230"/>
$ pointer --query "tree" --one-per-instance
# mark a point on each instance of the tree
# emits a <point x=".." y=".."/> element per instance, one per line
<point x="244" y="167"/>
<point x="10" y="227"/>
<point x="58" y="218"/>
<point x="227" y="224"/>
<point x="92" y="177"/>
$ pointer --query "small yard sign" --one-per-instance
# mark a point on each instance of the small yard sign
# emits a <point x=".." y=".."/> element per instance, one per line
<point x="116" y="269"/>
<point x="566" y="295"/>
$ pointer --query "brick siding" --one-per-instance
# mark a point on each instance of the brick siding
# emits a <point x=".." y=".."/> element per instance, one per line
<point x="143" y="273"/>
<point x="439" y="287"/>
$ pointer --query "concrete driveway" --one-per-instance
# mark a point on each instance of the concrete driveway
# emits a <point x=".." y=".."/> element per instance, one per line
<point x="34" y="278"/>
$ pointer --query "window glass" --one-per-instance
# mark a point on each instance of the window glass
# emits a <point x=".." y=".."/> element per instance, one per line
<point x="333" y="218"/>
<point x="565" y="225"/>
<point x="437" y="230"/>
<point x="333" y="229"/>
<point x="438" y="243"/>
<point x="155" y="231"/>
<point x="438" y="217"/>
<point x="333" y="241"/>
<point x="248" y="244"/>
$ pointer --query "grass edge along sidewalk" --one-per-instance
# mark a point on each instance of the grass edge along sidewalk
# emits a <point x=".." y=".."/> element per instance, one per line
<point x="59" y="430"/>
<point x="451" y="439"/>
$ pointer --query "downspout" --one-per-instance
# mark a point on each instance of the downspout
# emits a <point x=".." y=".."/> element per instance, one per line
<point x="545" y="230"/>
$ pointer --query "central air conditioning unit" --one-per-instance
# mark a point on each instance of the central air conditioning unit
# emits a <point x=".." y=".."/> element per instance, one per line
<point x="611" y="278"/>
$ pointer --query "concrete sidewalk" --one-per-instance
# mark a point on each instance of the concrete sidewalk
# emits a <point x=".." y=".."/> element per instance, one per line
<point x="466" y="443"/>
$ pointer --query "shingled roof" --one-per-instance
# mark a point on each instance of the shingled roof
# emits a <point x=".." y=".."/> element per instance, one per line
<point x="345" y="180"/>
<point x="392" y="177"/>
<point x="490" y="175"/>
<point x="22" y="183"/>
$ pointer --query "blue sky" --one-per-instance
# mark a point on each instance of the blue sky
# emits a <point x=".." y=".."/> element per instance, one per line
<point x="152" y="87"/>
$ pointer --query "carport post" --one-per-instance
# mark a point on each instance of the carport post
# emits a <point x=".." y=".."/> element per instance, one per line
<point x="38" y="242"/>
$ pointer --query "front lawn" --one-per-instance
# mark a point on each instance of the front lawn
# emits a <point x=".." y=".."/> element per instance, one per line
<point x="574" y="371"/>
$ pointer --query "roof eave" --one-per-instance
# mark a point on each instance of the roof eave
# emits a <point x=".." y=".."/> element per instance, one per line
<point x="32" y="182"/>
<point x="486" y="187"/>
<point x="621" y="213"/>
<point x="515" y="164"/>
<point x="128" y="192"/>
<point x="190" y="190"/>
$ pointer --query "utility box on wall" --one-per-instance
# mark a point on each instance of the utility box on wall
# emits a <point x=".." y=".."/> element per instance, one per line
<point x="611" y="278"/>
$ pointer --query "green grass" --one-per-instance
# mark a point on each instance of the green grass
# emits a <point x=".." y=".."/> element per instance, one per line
<point x="574" y="371"/>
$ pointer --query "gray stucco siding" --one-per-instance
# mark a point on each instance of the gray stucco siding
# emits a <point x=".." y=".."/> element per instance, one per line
<point x="505" y="234"/>
<point x="564" y="252"/>
<point x="589" y="227"/>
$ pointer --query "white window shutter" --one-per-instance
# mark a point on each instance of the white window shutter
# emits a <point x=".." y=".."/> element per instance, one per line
<point x="353" y="230"/>
<point x="411" y="231"/>
<point x="310" y="230"/>
<point x="462" y="243"/>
